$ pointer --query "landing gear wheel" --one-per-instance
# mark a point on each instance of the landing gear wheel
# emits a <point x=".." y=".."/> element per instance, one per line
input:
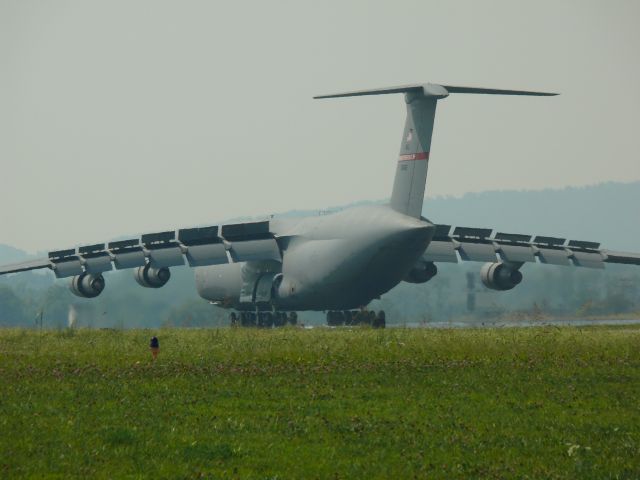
<point x="279" y="319"/>
<point x="268" y="320"/>
<point x="380" y="320"/>
<point x="366" y="317"/>
<point x="233" y="319"/>
<point x="335" y="318"/>
<point x="265" y="319"/>
<point x="293" y="318"/>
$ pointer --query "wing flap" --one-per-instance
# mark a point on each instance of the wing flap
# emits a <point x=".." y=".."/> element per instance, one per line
<point x="98" y="263"/>
<point x="170" y="256"/>
<point x="588" y="259"/>
<point x="67" y="267"/>
<point x="207" y="254"/>
<point x="553" y="256"/>
<point x="516" y="253"/>
<point x="129" y="258"/>
<point x="250" y="250"/>
<point x="441" y="251"/>
<point x="477" y="252"/>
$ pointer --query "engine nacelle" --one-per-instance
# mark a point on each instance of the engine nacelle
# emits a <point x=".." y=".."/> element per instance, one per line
<point x="150" y="277"/>
<point x="499" y="276"/>
<point x="87" y="285"/>
<point x="421" y="272"/>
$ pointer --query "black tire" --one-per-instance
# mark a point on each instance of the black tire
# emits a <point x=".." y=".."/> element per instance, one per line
<point x="293" y="318"/>
<point x="330" y="318"/>
<point x="380" y="320"/>
<point x="368" y="317"/>
<point x="262" y="320"/>
<point x="269" y="321"/>
<point x="233" y="319"/>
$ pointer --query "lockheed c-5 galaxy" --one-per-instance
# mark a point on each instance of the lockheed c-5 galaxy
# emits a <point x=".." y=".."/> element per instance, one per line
<point x="336" y="263"/>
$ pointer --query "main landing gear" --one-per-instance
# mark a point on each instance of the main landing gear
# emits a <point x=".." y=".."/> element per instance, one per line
<point x="356" y="317"/>
<point x="263" y="319"/>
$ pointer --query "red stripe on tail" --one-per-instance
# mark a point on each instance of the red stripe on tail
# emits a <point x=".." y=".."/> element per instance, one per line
<point x="414" y="156"/>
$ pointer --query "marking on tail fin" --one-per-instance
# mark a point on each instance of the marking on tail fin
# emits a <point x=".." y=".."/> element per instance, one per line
<point x="414" y="156"/>
<point x="409" y="135"/>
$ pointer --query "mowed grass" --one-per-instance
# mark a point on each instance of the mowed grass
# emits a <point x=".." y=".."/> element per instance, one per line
<point x="291" y="403"/>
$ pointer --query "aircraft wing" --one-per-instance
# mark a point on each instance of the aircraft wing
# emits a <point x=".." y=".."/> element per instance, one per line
<point x="195" y="246"/>
<point x="482" y="245"/>
<point x="24" y="266"/>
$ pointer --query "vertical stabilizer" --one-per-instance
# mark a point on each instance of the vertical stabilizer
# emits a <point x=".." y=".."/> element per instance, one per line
<point x="413" y="161"/>
<point x="411" y="173"/>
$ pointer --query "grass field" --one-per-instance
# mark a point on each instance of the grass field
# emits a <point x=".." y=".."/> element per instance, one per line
<point x="291" y="403"/>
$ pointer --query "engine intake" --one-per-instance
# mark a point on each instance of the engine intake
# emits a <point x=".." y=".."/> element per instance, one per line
<point x="150" y="277"/>
<point x="499" y="276"/>
<point x="87" y="285"/>
<point x="421" y="272"/>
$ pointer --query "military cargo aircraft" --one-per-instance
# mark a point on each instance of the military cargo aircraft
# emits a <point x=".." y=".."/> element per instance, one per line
<point x="266" y="271"/>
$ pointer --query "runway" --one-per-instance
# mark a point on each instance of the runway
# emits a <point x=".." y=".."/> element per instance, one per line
<point x="518" y="324"/>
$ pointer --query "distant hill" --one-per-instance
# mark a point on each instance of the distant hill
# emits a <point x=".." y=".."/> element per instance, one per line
<point x="607" y="212"/>
<point x="10" y="254"/>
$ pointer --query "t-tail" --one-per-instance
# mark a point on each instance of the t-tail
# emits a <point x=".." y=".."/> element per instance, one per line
<point x="413" y="161"/>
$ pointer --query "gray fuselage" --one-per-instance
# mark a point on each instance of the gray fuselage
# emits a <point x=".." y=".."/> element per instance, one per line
<point x="331" y="262"/>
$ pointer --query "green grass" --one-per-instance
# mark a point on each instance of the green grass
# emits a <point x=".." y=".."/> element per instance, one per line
<point x="290" y="403"/>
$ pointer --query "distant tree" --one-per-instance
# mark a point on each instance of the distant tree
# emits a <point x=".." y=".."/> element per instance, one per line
<point x="196" y="313"/>
<point x="55" y="305"/>
<point x="12" y="309"/>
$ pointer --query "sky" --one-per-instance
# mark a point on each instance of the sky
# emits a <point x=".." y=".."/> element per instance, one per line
<point x="129" y="116"/>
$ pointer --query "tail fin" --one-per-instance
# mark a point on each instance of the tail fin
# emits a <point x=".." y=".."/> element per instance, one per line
<point x="411" y="173"/>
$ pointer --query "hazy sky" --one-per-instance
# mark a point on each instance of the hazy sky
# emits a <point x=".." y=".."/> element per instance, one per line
<point x="119" y="117"/>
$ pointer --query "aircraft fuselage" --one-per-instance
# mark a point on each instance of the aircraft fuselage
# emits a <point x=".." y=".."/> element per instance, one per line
<point x="331" y="262"/>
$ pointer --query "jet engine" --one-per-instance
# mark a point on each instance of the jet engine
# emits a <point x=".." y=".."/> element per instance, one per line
<point x="500" y="276"/>
<point x="87" y="285"/>
<point x="421" y="272"/>
<point x="150" y="277"/>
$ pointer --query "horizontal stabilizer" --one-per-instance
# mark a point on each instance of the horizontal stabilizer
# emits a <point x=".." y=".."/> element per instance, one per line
<point x="375" y="91"/>
<point x="494" y="91"/>
<point x="434" y="90"/>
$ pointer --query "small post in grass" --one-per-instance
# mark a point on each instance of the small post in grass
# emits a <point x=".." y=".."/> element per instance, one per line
<point x="154" y="345"/>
